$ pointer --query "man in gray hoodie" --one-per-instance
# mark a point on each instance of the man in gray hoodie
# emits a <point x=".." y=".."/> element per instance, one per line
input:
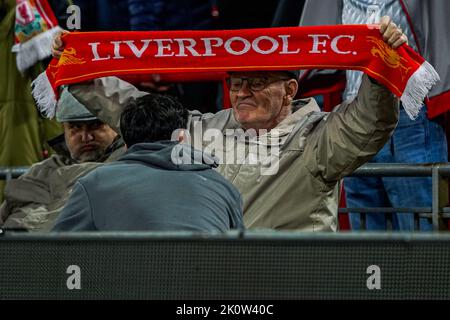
<point x="158" y="184"/>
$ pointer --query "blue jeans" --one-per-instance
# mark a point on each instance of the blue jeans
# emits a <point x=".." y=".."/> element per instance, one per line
<point x="417" y="141"/>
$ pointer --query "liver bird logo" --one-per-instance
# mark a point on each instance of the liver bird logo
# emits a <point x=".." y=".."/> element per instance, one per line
<point x="389" y="56"/>
<point x="68" y="57"/>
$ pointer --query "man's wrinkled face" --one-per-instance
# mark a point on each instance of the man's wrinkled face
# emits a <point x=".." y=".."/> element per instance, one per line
<point x="260" y="100"/>
<point x="88" y="140"/>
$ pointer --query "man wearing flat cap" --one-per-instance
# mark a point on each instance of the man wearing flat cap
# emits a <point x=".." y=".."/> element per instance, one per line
<point x="34" y="201"/>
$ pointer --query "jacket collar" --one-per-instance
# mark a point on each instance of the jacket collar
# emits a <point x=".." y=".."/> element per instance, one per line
<point x="278" y="135"/>
<point x="300" y="109"/>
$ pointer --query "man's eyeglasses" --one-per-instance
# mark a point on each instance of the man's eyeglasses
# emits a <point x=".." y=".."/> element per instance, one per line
<point x="254" y="84"/>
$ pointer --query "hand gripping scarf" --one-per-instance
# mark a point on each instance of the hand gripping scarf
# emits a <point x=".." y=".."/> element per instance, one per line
<point x="34" y="30"/>
<point x="90" y="55"/>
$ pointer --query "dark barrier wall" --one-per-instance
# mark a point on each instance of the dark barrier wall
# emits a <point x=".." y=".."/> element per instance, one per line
<point x="232" y="266"/>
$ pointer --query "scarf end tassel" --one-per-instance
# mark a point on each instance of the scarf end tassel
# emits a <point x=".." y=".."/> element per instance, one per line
<point x="417" y="89"/>
<point x="37" y="48"/>
<point x="44" y="95"/>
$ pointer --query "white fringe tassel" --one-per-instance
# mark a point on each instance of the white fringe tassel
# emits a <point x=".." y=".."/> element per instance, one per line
<point x="35" y="49"/>
<point x="417" y="89"/>
<point x="43" y="94"/>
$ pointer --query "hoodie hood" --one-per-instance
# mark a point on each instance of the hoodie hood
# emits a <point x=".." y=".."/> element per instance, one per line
<point x="169" y="155"/>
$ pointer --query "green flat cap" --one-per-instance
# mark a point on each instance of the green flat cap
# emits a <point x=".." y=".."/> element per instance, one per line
<point x="69" y="109"/>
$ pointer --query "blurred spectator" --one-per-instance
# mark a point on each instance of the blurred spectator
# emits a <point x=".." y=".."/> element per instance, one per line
<point x="420" y="141"/>
<point x="23" y="132"/>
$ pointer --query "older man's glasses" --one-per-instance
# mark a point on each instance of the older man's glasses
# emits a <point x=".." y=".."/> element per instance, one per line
<point x="254" y="84"/>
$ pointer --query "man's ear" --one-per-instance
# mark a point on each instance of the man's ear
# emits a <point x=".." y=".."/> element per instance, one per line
<point x="291" y="90"/>
<point x="181" y="136"/>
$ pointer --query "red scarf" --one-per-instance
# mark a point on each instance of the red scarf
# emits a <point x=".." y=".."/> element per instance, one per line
<point x="91" y="55"/>
<point x="34" y="30"/>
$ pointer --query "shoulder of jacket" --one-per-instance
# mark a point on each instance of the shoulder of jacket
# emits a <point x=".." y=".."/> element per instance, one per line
<point x="53" y="163"/>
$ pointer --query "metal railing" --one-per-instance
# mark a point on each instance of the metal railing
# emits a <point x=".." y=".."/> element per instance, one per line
<point x="8" y="173"/>
<point x="439" y="172"/>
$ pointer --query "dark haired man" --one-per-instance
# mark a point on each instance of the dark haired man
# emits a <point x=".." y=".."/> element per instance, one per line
<point x="150" y="187"/>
